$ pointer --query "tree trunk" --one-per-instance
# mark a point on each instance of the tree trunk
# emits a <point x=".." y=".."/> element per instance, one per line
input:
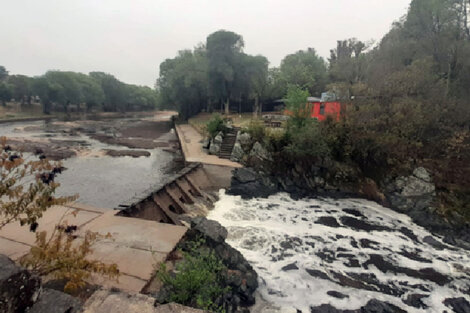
<point x="260" y="108"/>
<point x="256" y="107"/>
<point x="467" y="28"/>
<point x="227" y="106"/>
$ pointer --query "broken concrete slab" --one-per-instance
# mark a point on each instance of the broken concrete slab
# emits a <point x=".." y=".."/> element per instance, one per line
<point x="137" y="233"/>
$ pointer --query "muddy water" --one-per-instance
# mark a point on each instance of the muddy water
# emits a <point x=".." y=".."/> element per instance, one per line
<point x="101" y="181"/>
<point x="342" y="253"/>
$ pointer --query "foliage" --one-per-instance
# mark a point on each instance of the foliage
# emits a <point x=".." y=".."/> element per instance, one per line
<point x="197" y="280"/>
<point x="305" y="69"/>
<point x="296" y="102"/>
<point x="24" y="202"/>
<point x="66" y="257"/>
<point x="215" y="125"/>
<point x="306" y="142"/>
<point x="257" y="130"/>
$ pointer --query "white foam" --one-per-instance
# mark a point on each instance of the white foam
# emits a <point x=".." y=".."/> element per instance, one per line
<point x="256" y="226"/>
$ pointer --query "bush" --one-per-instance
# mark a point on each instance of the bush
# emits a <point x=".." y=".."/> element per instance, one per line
<point x="197" y="280"/>
<point x="257" y="130"/>
<point x="215" y="125"/>
<point x="307" y="142"/>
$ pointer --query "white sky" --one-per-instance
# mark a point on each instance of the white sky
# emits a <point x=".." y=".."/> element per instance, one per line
<point x="130" y="38"/>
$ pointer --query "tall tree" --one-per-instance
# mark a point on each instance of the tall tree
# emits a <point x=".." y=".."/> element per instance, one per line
<point x="223" y="50"/>
<point x="305" y="69"/>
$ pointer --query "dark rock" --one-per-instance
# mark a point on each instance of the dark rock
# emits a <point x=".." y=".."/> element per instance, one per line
<point x="209" y="228"/>
<point x="244" y="175"/>
<point x="131" y="153"/>
<point x="53" y="301"/>
<point x="414" y="256"/>
<point x="290" y="267"/>
<point x="425" y="273"/>
<point x="434" y="243"/>
<point x="336" y="294"/>
<point x="354" y="212"/>
<point x="317" y="274"/>
<point x="327" y="221"/>
<point x="414" y="300"/>
<point x="376" y="306"/>
<point x="357" y="224"/>
<point x="366" y="243"/>
<point x="409" y="233"/>
<point x="326" y="255"/>
<point x="459" y="305"/>
<point x="366" y="282"/>
<point x="18" y="288"/>
<point x="373" y="306"/>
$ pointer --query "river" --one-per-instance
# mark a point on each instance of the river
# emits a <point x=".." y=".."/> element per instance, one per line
<point x="99" y="180"/>
<point x="342" y="252"/>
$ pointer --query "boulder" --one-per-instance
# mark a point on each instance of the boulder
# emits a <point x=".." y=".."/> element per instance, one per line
<point x="53" y="301"/>
<point x="209" y="229"/>
<point x="413" y="192"/>
<point x="244" y="139"/>
<point x="216" y="144"/>
<point x="241" y="276"/>
<point x="19" y="289"/>
<point x="237" y="152"/>
<point x="244" y="175"/>
<point x="259" y="152"/>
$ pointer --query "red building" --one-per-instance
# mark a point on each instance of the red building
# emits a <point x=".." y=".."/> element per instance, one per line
<point x="321" y="109"/>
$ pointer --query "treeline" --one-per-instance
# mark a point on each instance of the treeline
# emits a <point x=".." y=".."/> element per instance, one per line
<point x="218" y="75"/>
<point x="66" y="91"/>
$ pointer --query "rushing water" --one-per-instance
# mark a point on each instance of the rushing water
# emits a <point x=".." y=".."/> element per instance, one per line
<point x="306" y="250"/>
<point x="99" y="180"/>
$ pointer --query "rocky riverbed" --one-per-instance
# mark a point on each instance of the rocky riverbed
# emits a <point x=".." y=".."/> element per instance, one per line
<point x="344" y="255"/>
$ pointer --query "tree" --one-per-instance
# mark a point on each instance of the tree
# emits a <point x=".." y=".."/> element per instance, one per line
<point x="3" y="73"/>
<point x="296" y="102"/>
<point x="305" y="69"/>
<point x="183" y="83"/>
<point x="5" y="93"/>
<point x="223" y="49"/>
<point x="114" y="93"/>
<point x="257" y="73"/>
<point x="21" y="88"/>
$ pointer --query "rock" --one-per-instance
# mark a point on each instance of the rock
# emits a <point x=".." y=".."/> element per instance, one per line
<point x="327" y="221"/>
<point x="53" y="301"/>
<point x="244" y="175"/>
<point x="354" y="212"/>
<point x="259" y="152"/>
<point x="336" y="294"/>
<point x="357" y="224"/>
<point x="244" y="139"/>
<point x="414" y="192"/>
<point x="373" y="306"/>
<point x="422" y="174"/>
<point x="214" y="147"/>
<point x="18" y="288"/>
<point x="241" y="275"/>
<point x="415" y="300"/>
<point x="131" y="153"/>
<point x="458" y="305"/>
<point x="317" y="274"/>
<point x="430" y="240"/>
<point x="237" y="153"/>
<point x="209" y="228"/>
<point x="290" y="267"/>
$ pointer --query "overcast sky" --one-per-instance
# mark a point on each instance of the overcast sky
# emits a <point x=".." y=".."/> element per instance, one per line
<point x="130" y="38"/>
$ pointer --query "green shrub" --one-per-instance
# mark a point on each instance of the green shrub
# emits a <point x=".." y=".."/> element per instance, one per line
<point x="215" y="125"/>
<point x="306" y="143"/>
<point x="197" y="280"/>
<point x="257" y="130"/>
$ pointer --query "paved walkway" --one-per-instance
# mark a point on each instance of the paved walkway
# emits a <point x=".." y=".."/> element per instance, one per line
<point x="190" y="141"/>
<point x="135" y="245"/>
